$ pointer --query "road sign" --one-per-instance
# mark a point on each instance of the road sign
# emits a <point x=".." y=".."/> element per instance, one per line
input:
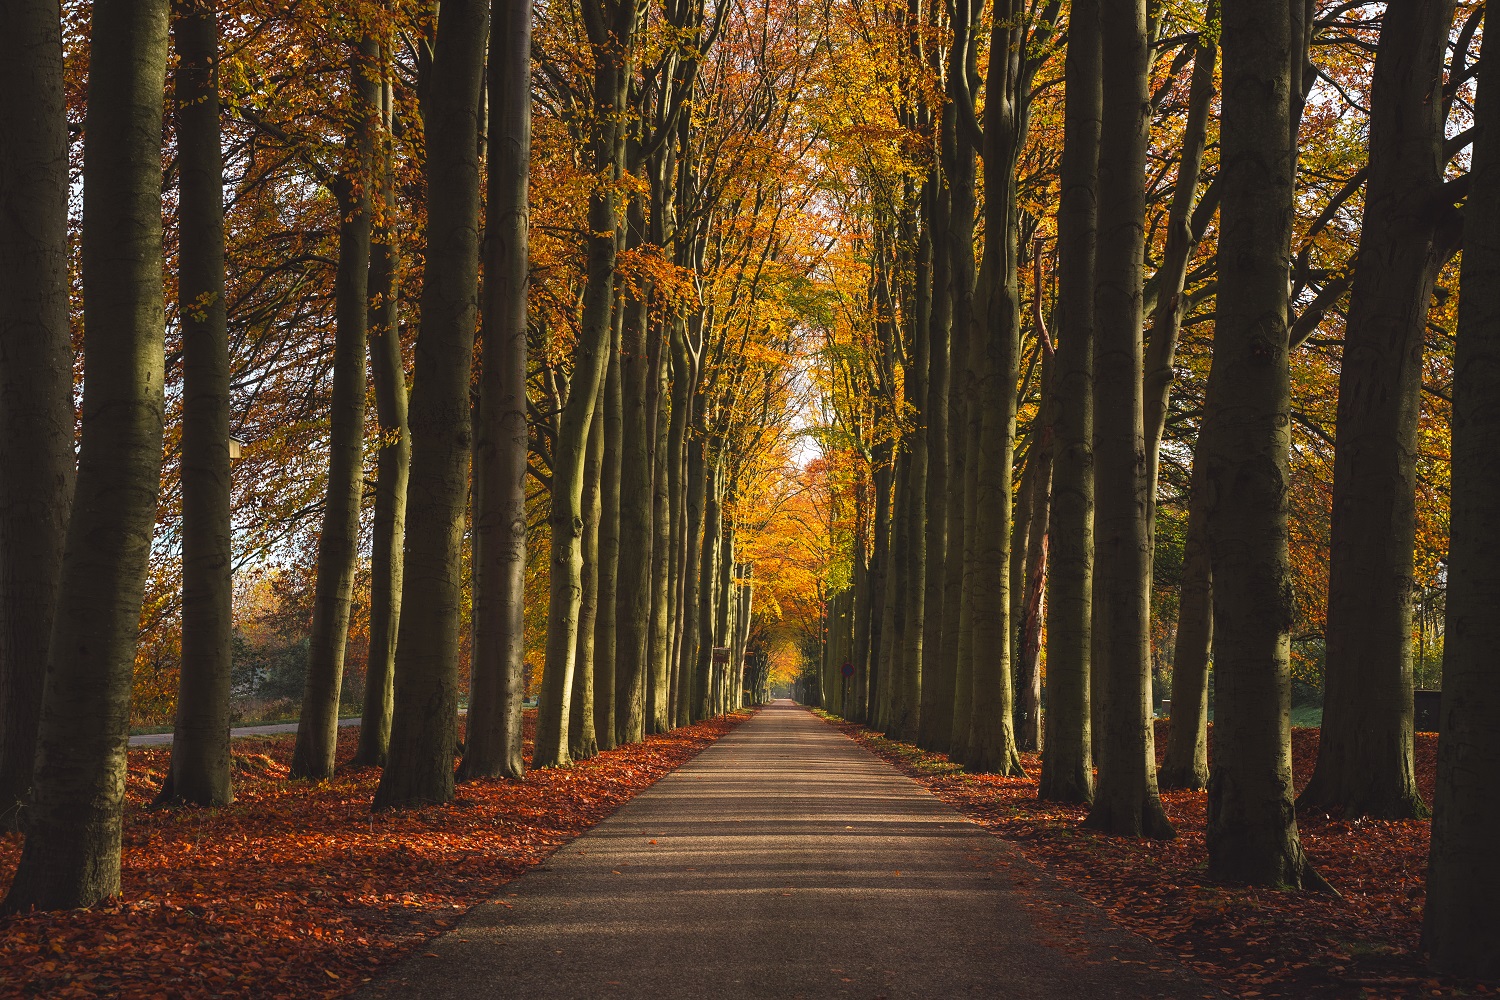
<point x="847" y="669"/>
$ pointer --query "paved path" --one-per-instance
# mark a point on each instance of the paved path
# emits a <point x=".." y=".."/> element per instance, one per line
<point x="786" y="861"/>
<point x="165" y="739"/>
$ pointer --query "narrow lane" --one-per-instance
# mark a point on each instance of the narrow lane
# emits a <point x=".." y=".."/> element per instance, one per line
<point x="786" y="861"/>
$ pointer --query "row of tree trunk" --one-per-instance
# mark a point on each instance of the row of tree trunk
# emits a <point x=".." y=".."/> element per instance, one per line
<point x="941" y="625"/>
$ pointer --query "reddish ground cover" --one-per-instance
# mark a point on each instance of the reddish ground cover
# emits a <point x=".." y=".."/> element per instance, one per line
<point x="297" y="890"/>
<point x="1251" y="943"/>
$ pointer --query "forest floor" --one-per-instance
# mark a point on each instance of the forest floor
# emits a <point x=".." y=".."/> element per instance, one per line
<point x="297" y="889"/>
<point x="1249" y="942"/>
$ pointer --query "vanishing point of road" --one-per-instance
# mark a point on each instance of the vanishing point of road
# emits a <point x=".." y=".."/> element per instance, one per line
<point x="785" y="862"/>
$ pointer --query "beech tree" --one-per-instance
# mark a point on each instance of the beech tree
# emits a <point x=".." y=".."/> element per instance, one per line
<point x="199" y="771"/>
<point x="317" y="725"/>
<point x="1365" y="765"/>
<point x="36" y="377"/>
<point x="71" y="856"/>
<point x="493" y="747"/>
<point x="424" y="728"/>
<point x="1243" y="447"/>
<point x="1067" y="754"/>
<point x="393" y="458"/>
<point x="1125" y="801"/>
<point x="1460" y="924"/>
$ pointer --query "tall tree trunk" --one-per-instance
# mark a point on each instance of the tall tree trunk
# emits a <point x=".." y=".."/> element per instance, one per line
<point x="1067" y="755"/>
<point x="199" y="772"/>
<point x="1365" y="765"/>
<point x="424" y="730"/>
<point x="992" y="744"/>
<point x="1125" y="801"/>
<point x="659" y="649"/>
<point x="964" y="427"/>
<point x="338" y="543"/>
<point x="724" y="624"/>
<point x="606" y="685"/>
<point x="867" y="644"/>
<point x="498" y="683"/>
<point x="907" y="687"/>
<point x="1243" y="446"/>
<point x="937" y="677"/>
<point x="610" y="25"/>
<point x="393" y="458"/>
<point x="1186" y="762"/>
<point x="633" y="458"/>
<point x="708" y="575"/>
<point x="892" y="632"/>
<point x="1033" y="583"/>
<point x="689" y="692"/>
<point x="1460" y="921"/>
<point x="961" y="180"/>
<point x="677" y="489"/>
<point x="634" y="531"/>
<point x="36" y="377"/>
<point x="71" y="857"/>
<point x="583" y="722"/>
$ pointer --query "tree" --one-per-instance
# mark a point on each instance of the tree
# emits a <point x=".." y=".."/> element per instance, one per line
<point x="393" y="459"/>
<point x="611" y="26"/>
<point x="317" y="726"/>
<point x="1067" y="755"/>
<point x="71" y="856"/>
<point x="1460" y="924"/>
<point x="424" y="727"/>
<point x="493" y="748"/>
<point x="199" y="772"/>
<point x="1125" y="801"/>
<point x="1243" y="448"/>
<point x="1365" y="764"/>
<point x="36" y="377"/>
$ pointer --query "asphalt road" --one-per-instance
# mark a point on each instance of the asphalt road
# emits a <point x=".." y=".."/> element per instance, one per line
<point x="784" y="862"/>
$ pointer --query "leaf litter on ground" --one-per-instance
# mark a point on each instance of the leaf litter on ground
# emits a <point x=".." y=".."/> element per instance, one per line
<point x="298" y="889"/>
<point x="1363" y="943"/>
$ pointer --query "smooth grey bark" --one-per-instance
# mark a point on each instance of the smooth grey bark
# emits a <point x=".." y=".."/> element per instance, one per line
<point x="1243" y="447"/>
<point x="492" y="747"/>
<point x="963" y="413"/>
<point x="1067" y="753"/>
<point x="707" y="578"/>
<point x="1365" y="754"/>
<point x="36" y="377"/>
<point x="867" y="643"/>
<point x="1460" y="921"/>
<point x="1186" y="762"/>
<point x="606" y="687"/>
<point x="338" y="542"/>
<point x="633" y="503"/>
<point x="1033" y="575"/>
<point x="610" y="25"/>
<point x="199" y="772"/>
<point x="906" y="687"/>
<point x="71" y="856"/>
<point x="424" y="730"/>
<point x="583" y="738"/>
<point x="960" y="171"/>
<point x="392" y="457"/>
<point x="659" y="644"/>
<point x="892" y="616"/>
<point x="936" y="718"/>
<point x="992" y="744"/>
<point x="1125" y="801"/>
<point x="689" y="690"/>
